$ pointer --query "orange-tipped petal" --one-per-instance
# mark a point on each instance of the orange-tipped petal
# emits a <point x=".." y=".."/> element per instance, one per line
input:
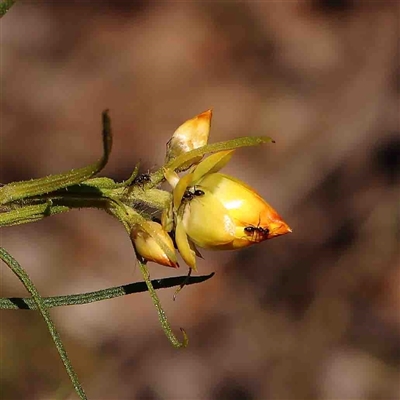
<point x="148" y="247"/>
<point x="191" y="135"/>
<point x="254" y="218"/>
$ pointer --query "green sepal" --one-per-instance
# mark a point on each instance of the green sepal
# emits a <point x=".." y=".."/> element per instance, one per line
<point x="215" y="147"/>
<point x="185" y="158"/>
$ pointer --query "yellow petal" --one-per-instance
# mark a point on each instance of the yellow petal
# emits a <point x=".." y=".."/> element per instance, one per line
<point x="184" y="248"/>
<point x="191" y="135"/>
<point x="212" y="163"/>
<point x="247" y="209"/>
<point x="167" y="218"/>
<point x="207" y="222"/>
<point x="171" y="176"/>
<point x="180" y="189"/>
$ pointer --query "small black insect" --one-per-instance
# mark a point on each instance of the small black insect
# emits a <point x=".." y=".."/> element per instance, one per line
<point x="257" y="232"/>
<point x="189" y="195"/>
<point x="252" y="228"/>
<point x="142" y="179"/>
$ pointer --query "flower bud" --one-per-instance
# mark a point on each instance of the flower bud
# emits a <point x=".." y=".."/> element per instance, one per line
<point x="151" y="249"/>
<point x="191" y="135"/>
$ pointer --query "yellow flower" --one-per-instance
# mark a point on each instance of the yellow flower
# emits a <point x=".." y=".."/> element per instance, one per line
<point x="217" y="211"/>
<point x="254" y="218"/>
<point x="203" y="221"/>
<point x="191" y="135"/>
<point x="152" y="249"/>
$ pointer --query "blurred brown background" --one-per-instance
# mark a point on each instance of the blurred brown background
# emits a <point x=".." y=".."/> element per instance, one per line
<point x="311" y="315"/>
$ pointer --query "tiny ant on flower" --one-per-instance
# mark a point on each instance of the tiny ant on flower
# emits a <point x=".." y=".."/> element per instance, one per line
<point x="257" y="232"/>
<point x="142" y="179"/>
<point x="188" y="195"/>
<point x="260" y="229"/>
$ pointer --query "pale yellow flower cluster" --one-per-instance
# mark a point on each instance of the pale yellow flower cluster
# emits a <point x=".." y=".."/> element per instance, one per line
<point x="209" y="209"/>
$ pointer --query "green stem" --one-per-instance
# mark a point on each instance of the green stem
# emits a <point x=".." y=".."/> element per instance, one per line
<point x="26" y="214"/>
<point x="23" y="214"/>
<point x="15" y="303"/>
<point x="30" y="287"/>
<point x="161" y="313"/>
<point x="5" y="7"/>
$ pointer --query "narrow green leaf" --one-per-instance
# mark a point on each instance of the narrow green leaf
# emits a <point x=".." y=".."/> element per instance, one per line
<point x="25" y="189"/>
<point x="23" y="303"/>
<point x="130" y="180"/>
<point x="26" y="214"/>
<point x="95" y="183"/>
<point x="213" y="148"/>
<point x="176" y="163"/>
<point x="31" y="288"/>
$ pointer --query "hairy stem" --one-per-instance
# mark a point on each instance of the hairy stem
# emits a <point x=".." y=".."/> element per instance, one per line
<point x="31" y="288"/>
